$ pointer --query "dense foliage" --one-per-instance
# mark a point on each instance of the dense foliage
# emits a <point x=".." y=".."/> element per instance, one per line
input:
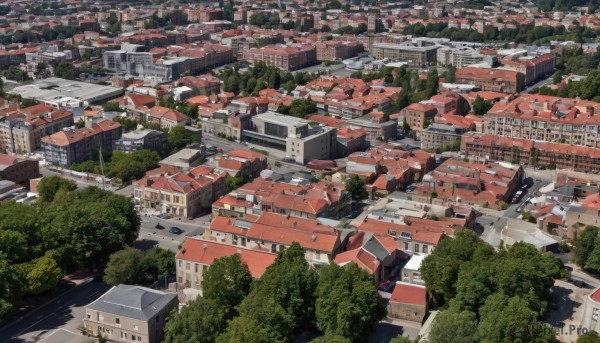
<point x="125" y="166"/>
<point x="487" y="292"/>
<point x="298" y="108"/>
<point x="356" y="187"/>
<point x="132" y="266"/>
<point x="587" y="248"/>
<point x="481" y="106"/>
<point x="66" y="229"/>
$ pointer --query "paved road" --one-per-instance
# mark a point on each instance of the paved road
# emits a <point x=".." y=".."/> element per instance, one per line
<point x="150" y="236"/>
<point x="67" y="312"/>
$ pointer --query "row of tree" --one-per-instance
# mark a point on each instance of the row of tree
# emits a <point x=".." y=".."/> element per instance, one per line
<point x="261" y="76"/>
<point x="132" y="266"/>
<point x="125" y="166"/>
<point x="586" y="89"/>
<point x="183" y="107"/>
<point x="66" y="229"/>
<point x="291" y="298"/>
<point x="488" y="295"/>
<point x="587" y="248"/>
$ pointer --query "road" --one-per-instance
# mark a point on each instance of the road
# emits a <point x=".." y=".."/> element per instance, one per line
<point x="150" y="236"/>
<point x="539" y="84"/>
<point x="67" y="312"/>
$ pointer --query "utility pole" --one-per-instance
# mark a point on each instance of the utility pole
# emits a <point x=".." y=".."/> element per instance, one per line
<point x="102" y="169"/>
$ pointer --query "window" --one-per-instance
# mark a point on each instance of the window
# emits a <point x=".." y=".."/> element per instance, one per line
<point x="100" y="317"/>
<point x="196" y="267"/>
<point x="243" y="240"/>
<point x="187" y="266"/>
<point x="416" y="248"/>
<point x="117" y="320"/>
<point x="139" y="338"/>
<point x="425" y="248"/>
<point x="135" y="327"/>
<point x="180" y="263"/>
<point x="133" y="337"/>
<point x="405" y="245"/>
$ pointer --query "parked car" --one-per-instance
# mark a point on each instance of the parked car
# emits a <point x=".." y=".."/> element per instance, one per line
<point x="164" y="216"/>
<point x="388" y="287"/>
<point x="176" y="230"/>
<point x="159" y="227"/>
<point x="578" y="283"/>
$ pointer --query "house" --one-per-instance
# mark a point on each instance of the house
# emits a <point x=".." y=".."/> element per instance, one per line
<point x="130" y="314"/>
<point x="166" y="118"/>
<point x="18" y="170"/>
<point x="237" y="161"/>
<point x="408" y="302"/>
<point x="197" y="255"/>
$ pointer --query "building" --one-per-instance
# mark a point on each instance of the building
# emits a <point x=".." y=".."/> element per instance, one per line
<point x="274" y="232"/>
<point x="376" y="128"/>
<point x="337" y="50"/>
<point x="143" y="139"/>
<point x="532" y="153"/>
<point x="417" y="115"/>
<point x="52" y="88"/>
<point x="408" y="302"/>
<point x="130" y="314"/>
<point x="78" y="145"/>
<point x="202" y="84"/>
<point x="546" y="118"/>
<point x="286" y="57"/>
<point x="237" y="161"/>
<point x="351" y="139"/>
<point x="197" y="255"/>
<point x="411" y="273"/>
<point x="437" y="136"/>
<point x="295" y="136"/>
<point x="18" y="170"/>
<point x="21" y="132"/>
<point x="166" y="118"/>
<point x="489" y="79"/>
<point x="413" y="54"/>
<point x="591" y="311"/>
<point x="534" y="68"/>
<point x="179" y="193"/>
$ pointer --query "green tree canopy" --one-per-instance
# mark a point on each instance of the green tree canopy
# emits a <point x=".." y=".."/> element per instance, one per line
<point x="179" y="137"/>
<point x="49" y="185"/>
<point x="585" y="244"/>
<point x="356" y="187"/>
<point x="589" y="337"/>
<point x="11" y="287"/>
<point x="227" y="282"/>
<point x="161" y="261"/>
<point x="245" y="330"/>
<point x="454" y="327"/>
<point x="128" y="266"/>
<point x="40" y="275"/>
<point x="200" y="321"/>
<point x="481" y="106"/>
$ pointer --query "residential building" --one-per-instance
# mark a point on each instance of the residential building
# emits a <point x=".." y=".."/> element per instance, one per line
<point x="286" y="57"/>
<point x="417" y="115"/>
<point x="351" y="139"/>
<point x="413" y="54"/>
<point x="489" y="79"/>
<point x="130" y="314"/>
<point x="532" y="153"/>
<point x="411" y="273"/>
<point x="337" y="50"/>
<point x="300" y="141"/>
<point x="179" y="193"/>
<point x="202" y="84"/>
<point x="166" y="118"/>
<point x="546" y="118"/>
<point x="143" y="139"/>
<point x="579" y="215"/>
<point x="21" y="132"/>
<point x="366" y="260"/>
<point x="440" y="135"/>
<point x="377" y="128"/>
<point x="197" y="255"/>
<point x="78" y="145"/>
<point x="485" y="184"/>
<point x="18" y="170"/>
<point x="238" y="161"/>
<point x="274" y="232"/>
<point x="534" y="68"/>
<point x="408" y="302"/>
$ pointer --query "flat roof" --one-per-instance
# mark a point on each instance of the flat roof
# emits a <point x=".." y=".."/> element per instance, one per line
<point x="281" y="119"/>
<point x="415" y="262"/>
<point x="406" y="47"/>
<point x="64" y="336"/>
<point x="53" y="88"/>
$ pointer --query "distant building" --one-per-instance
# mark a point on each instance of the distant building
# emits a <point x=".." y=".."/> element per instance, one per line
<point x="337" y="50"/>
<point x="166" y="118"/>
<point x="377" y="129"/>
<point x="294" y="135"/>
<point x="75" y="146"/>
<point x="18" y="170"/>
<point x="417" y="114"/>
<point x="130" y="314"/>
<point x="489" y="79"/>
<point x="413" y="54"/>
<point x="440" y="135"/>
<point x="284" y="57"/>
<point x="143" y="139"/>
<point x="237" y="161"/>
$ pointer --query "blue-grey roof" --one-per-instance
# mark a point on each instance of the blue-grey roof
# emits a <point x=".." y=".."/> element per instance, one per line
<point x="132" y="302"/>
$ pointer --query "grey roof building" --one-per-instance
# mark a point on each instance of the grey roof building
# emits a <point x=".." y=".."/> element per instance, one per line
<point x="130" y="313"/>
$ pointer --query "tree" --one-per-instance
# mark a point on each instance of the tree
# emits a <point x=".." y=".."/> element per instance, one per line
<point x="132" y="166"/>
<point x="50" y="185"/>
<point x="275" y="320"/>
<point x="451" y="75"/>
<point x="11" y="287"/>
<point x="454" y="327"/>
<point x="302" y="107"/>
<point x="179" y="137"/>
<point x="356" y="187"/>
<point x="227" y="282"/>
<point x="244" y="330"/>
<point x="128" y="266"/>
<point x="348" y="304"/>
<point x="201" y="321"/>
<point x="40" y="275"/>
<point x="111" y="106"/>
<point x="481" y="106"/>
<point x="584" y="245"/>
<point x="331" y="338"/>
<point x="405" y="125"/>
<point x="589" y="337"/>
<point x="161" y="261"/>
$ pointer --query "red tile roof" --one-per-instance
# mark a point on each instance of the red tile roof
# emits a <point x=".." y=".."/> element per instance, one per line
<point x="361" y="257"/>
<point x="405" y="293"/>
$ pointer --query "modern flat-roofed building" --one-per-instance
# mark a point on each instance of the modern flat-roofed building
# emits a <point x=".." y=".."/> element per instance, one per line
<point x="47" y="90"/>
<point x="300" y="141"/>
<point x="415" y="55"/>
<point x="143" y="139"/>
<point x="130" y="314"/>
<point x="375" y="129"/>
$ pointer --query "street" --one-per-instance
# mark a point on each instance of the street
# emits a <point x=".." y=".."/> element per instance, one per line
<point x="150" y="235"/>
<point x="67" y="312"/>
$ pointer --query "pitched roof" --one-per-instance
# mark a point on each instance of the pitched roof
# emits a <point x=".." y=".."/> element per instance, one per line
<point x="134" y="302"/>
<point x="361" y="257"/>
<point x="406" y="293"/>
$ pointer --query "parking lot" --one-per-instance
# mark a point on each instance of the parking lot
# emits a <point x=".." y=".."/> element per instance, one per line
<point x="566" y="315"/>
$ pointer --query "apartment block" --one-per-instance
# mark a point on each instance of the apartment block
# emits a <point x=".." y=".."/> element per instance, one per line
<point x="75" y="146"/>
<point x="534" y="68"/>
<point x="295" y="136"/>
<point x="18" y="170"/>
<point x="337" y="50"/>
<point x="489" y="79"/>
<point x="130" y="314"/>
<point x="413" y="54"/>
<point x="440" y="135"/>
<point x="417" y="114"/>
<point x="546" y="118"/>
<point x="286" y="57"/>
<point x="179" y="193"/>
<point x="376" y="128"/>
<point x="143" y="139"/>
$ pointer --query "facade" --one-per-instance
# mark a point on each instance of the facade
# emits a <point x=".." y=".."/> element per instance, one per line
<point x="294" y="135"/>
<point x="408" y="302"/>
<point x="494" y="80"/>
<point x="178" y="193"/>
<point x="75" y="146"/>
<point x="290" y="57"/>
<point x="351" y="139"/>
<point x="376" y="129"/>
<point x="440" y="135"/>
<point x="534" y="68"/>
<point x="18" y="170"/>
<point x="337" y="50"/>
<point x="417" y="114"/>
<point x="143" y="139"/>
<point x="166" y="118"/>
<point x="546" y="118"/>
<point x="237" y="161"/>
<point x="414" y="55"/>
<point x="130" y="314"/>
<point x="591" y="311"/>
<point x="197" y="255"/>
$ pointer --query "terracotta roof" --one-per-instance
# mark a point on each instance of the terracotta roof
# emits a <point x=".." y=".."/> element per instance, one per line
<point x="405" y="293"/>
<point x="361" y="257"/>
<point x="205" y="252"/>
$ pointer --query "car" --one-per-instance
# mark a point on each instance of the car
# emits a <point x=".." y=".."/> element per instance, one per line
<point x="163" y="216"/>
<point x="578" y="283"/>
<point x="558" y="324"/>
<point x="176" y="230"/>
<point x="159" y="227"/>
